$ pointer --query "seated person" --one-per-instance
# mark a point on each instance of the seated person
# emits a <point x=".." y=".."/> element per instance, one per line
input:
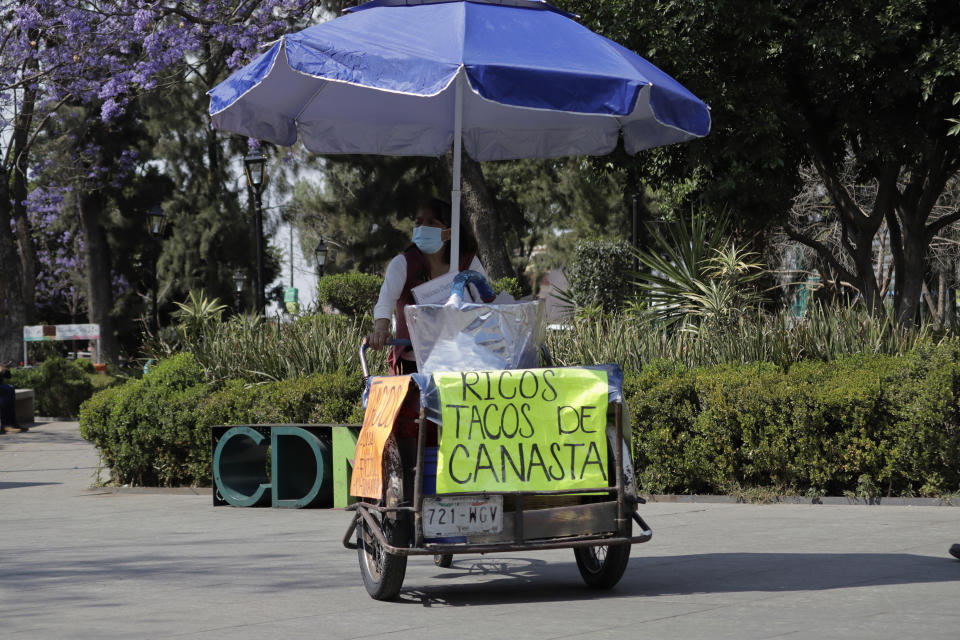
<point x="8" y="403"/>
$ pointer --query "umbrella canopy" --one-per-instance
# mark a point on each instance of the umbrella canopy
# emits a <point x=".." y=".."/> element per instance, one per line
<point x="510" y="78"/>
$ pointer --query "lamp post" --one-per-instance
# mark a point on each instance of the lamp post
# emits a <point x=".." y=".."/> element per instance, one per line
<point x="320" y="253"/>
<point x="238" y="279"/>
<point x="254" y="164"/>
<point x="156" y="225"/>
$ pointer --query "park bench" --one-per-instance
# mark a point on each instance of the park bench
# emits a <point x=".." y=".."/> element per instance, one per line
<point x="24" y="405"/>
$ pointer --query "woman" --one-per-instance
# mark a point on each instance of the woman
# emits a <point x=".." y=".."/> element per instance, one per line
<point x="427" y="258"/>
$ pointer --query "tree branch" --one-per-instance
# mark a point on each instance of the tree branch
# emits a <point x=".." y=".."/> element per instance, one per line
<point x="850" y="212"/>
<point x="822" y="250"/>
<point x="937" y="225"/>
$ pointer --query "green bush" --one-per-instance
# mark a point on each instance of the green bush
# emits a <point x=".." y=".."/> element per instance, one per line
<point x="880" y="420"/>
<point x="508" y="284"/>
<point x="144" y="429"/>
<point x="156" y="431"/>
<point x="85" y="365"/>
<point x="59" y="385"/>
<point x="354" y="294"/>
<point x="868" y="423"/>
<point x="600" y="274"/>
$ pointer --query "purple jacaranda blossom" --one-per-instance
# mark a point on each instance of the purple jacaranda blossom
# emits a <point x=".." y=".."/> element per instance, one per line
<point x="104" y="54"/>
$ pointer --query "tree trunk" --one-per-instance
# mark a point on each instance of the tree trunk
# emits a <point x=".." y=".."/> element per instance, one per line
<point x="12" y="312"/>
<point x="479" y="211"/>
<point x="867" y="278"/>
<point x="910" y="287"/>
<point x="20" y="154"/>
<point x="950" y="308"/>
<point x="99" y="280"/>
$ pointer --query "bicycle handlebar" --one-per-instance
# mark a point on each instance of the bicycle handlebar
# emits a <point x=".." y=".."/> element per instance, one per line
<point x="396" y="342"/>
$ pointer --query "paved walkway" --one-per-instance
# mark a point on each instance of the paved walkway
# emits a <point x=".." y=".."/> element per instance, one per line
<point x="81" y="564"/>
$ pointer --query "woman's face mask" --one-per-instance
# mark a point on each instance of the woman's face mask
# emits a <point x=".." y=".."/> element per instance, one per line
<point x="428" y="239"/>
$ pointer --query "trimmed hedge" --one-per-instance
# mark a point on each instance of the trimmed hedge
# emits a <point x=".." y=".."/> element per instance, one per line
<point x="156" y="431"/>
<point x="864" y="425"/>
<point x="354" y="293"/>
<point x="59" y="385"/>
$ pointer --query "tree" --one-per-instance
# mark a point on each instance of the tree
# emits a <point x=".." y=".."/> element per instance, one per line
<point x="365" y="202"/>
<point x="57" y="53"/>
<point x="549" y="205"/>
<point x="795" y="82"/>
<point x="363" y="207"/>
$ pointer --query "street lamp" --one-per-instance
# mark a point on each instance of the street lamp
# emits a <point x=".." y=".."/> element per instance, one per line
<point x="156" y="225"/>
<point x="238" y="279"/>
<point x="254" y="164"/>
<point x="320" y="253"/>
<point x="156" y="221"/>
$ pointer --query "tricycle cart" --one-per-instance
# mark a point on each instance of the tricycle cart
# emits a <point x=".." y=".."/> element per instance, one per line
<point x="413" y="517"/>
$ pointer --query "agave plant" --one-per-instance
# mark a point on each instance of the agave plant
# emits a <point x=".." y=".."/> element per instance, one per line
<point x="693" y="276"/>
<point x="198" y="313"/>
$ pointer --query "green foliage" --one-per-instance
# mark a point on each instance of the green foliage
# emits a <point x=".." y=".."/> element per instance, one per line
<point x="85" y="365"/>
<point x="156" y="431"/>
<point x="198" y="313"/>
<point x="867" y="425"/>
<point x="354" y="294"/>
<point x="840" y="404"/>
<point x="59" y="385"/>
<point x="251" y="349"/>
<point x="954" y="122"/>
<point x="509" y="285"/>
<point x="792" y="84"/>
<point x="694" y="277"/>
<point x="825" y="333"/>
<point x="180" y="372"/>
<point x="366" y="205"/>
<point x="535" y="198"/>
<point x="599" y="274"/>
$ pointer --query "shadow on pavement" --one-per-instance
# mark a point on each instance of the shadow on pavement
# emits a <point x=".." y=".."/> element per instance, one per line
<point x="19" y="485"/>
<point x="526" y="580"/>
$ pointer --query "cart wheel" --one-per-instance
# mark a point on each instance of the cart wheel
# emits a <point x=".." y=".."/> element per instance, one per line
<point x="602" y="566"/>
<point x="383" y="572"/>
<point x="443" y="560"/>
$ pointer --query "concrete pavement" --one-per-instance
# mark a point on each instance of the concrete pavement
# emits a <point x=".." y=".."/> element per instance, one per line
<point x="76" y="563"/>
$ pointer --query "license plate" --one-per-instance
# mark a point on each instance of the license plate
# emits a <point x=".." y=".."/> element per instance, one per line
<point x="461" y="515"/>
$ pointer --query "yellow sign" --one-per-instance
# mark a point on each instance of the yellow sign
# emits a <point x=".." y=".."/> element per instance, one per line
<point x="383" y="404"/>
<point x="522" y="430"/>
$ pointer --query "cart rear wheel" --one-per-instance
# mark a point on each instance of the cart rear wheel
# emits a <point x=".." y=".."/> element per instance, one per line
<point x="443" y="560"/>
<point x="383" y="572"/>
<point x="602" y="566"/>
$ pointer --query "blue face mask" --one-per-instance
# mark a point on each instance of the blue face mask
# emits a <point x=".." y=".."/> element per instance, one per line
<point x="428" y="239"/>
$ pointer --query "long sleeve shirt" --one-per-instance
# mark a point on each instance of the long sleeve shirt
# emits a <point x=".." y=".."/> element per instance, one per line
<point x="394" y="280"/>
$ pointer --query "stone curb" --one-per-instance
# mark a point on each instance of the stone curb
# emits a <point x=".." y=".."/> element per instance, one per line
<point x="193" y="491"/>
<point x="824" y="500"/>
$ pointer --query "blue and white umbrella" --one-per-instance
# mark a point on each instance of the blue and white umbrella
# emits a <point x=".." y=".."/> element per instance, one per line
<point x="505" y="78"/>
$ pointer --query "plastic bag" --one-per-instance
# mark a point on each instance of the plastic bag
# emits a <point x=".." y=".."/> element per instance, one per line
<point x="463" y="336"/>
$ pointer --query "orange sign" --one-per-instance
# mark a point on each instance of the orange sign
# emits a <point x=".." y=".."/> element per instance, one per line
<point x="383" y="404"/>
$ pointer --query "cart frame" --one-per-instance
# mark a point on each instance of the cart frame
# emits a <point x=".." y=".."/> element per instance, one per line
<point x="625" y="506"/>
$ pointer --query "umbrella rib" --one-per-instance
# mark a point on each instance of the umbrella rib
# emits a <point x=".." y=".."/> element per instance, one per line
<point x="309" y="102"/>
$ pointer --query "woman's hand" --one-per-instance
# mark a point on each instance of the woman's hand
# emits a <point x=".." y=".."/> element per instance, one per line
<point x="381" y="334"/>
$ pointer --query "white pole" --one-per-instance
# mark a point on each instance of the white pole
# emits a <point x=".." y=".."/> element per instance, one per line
<point x="455" y="189"/>
<point x="25" y="363"/>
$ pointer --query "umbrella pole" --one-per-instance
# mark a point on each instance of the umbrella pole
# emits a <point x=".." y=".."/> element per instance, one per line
<point x="455" y="188"/>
